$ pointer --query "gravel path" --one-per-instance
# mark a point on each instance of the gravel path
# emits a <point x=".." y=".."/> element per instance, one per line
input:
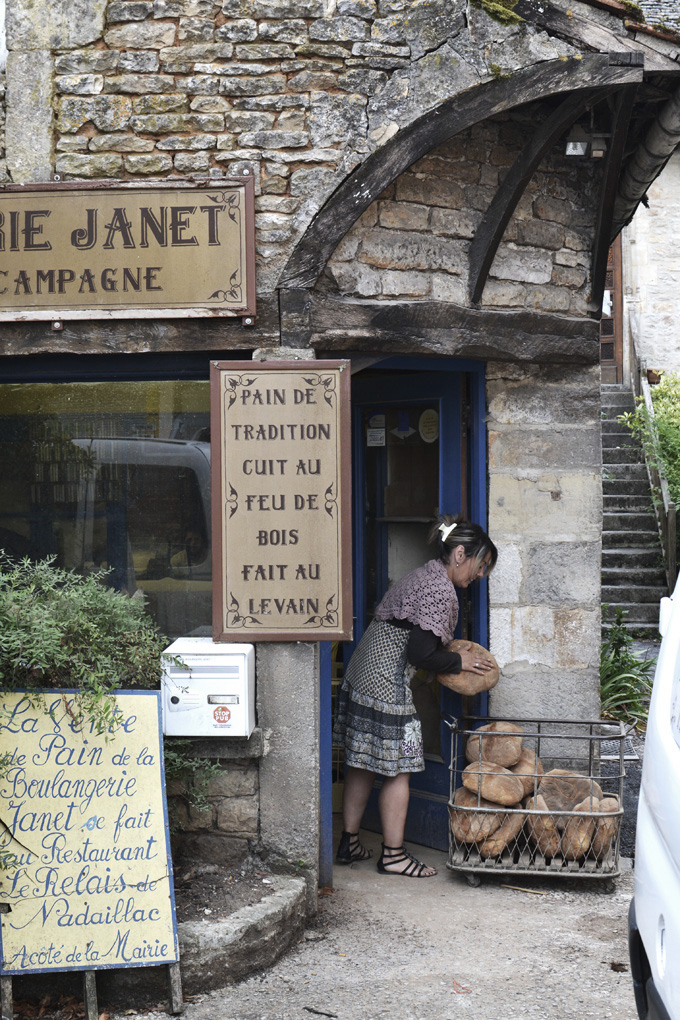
<point x="437" y="949"/>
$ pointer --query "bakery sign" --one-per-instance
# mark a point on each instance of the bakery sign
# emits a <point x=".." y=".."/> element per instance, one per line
<point x="281" y="501"/>
<point x="86" y="876"/>
<point x="127" y="250"/>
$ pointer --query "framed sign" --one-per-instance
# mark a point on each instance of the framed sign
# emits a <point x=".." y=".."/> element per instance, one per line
<point x="85" y="820"/>
<point x="127" y="250"/>
<point x="281" y="501"/>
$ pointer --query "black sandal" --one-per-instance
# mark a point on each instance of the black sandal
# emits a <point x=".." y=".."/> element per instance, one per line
<point x="414" y="869"/>
<point x="350" y="850"/>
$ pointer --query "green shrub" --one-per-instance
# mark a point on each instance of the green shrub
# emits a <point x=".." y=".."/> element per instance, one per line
<point x="59" y="629"/>
<point x="662" y="439"/>
<point x="625" y="680"/>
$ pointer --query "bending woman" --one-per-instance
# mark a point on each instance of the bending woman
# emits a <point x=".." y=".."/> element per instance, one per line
<point x="376" y="720"/>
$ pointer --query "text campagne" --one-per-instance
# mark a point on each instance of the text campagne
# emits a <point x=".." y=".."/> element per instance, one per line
<point x="89" y="885"/>
<point x="122" y="230"/>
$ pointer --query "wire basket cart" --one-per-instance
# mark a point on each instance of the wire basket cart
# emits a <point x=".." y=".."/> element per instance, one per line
<point x="528" y="838"/>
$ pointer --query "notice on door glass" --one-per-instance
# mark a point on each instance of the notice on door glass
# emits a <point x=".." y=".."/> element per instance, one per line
<point x="88" y="876"/>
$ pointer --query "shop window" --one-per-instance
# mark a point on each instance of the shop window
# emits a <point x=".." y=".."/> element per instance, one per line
<point x="115" y="476"/>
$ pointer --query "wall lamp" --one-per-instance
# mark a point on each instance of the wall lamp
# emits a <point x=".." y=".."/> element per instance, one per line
<point x="582" y="142"/>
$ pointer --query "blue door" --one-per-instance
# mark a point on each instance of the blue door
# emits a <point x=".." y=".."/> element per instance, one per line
<point x="419" y="450"/>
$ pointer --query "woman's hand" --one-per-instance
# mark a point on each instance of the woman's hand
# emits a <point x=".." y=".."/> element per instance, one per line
<point x="475" y="663"/>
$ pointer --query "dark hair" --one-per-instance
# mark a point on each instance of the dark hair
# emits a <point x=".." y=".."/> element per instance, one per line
<point x="472" y="537"/>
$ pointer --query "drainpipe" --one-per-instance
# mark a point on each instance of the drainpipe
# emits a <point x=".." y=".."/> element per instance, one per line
<point x="647" y="162"/>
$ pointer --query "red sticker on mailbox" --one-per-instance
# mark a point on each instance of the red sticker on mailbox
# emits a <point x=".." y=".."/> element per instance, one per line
<point x="222" y="715"/>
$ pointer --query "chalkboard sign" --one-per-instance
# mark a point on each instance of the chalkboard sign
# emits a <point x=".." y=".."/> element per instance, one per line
<point x="85" y="817"/>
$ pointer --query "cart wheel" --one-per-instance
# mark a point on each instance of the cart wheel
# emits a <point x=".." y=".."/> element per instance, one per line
<point x="473" y="880"/>
<point x="610" y="885"/>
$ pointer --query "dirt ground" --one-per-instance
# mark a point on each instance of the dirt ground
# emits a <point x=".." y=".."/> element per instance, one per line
<point x="436" y="949"/>
<point x="208" y="892"/>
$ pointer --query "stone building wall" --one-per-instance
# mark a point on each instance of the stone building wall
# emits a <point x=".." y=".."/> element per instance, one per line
<point x="414" y="241"/>
<point x="651" y="269"/>
<point x="545" y="514"/>
<point x="301" y="93"/>
<point x="224" y="828"/>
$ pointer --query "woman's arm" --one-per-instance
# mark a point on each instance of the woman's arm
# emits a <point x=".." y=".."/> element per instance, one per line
<point x="424" y="651"/>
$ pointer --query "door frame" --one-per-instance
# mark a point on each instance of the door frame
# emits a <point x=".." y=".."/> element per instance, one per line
<point x="428" y="813"/>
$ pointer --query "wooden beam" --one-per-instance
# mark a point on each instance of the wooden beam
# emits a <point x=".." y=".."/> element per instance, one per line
<point x="90" y="995"/>
<point x="459" y="112"/>
<point x="610" y="181"/>
<point x="590" y="34"/>
<point x="6" y="1000"/>
<point x="447" y="330"/>
<point x="492" y="227"/>
<point x="142" y="336"/>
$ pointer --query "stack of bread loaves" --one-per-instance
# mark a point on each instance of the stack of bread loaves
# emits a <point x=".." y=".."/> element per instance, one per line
<point x="507" y="780"/>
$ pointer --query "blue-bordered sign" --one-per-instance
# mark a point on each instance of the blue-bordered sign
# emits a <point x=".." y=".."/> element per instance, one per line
<point x="84" y="817"/>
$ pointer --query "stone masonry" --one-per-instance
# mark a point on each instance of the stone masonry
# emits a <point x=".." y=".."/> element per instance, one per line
<point x="301" y="93"/>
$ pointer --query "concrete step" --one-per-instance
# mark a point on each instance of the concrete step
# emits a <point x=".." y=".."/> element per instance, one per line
<point x="631" y="558"/>
<point x="626" y="471"/>
<point x="642" y="631"/>
<point x="624" y="576"/>
<point x="612" y="396"/>
<point x="619" y="502"/>
<point x="620" y="439"/>
<point x="621" y="455"/>
<point x="630" y="540"/>
<point x="628" y="521"/>
<point x="612" y="425"/>
<point x="638" y="594"/>
<point x="625" y="487"/>
<point x="636" y="612"/>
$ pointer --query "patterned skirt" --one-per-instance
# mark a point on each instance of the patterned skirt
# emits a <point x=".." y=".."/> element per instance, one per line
<point x="376" y="720"/>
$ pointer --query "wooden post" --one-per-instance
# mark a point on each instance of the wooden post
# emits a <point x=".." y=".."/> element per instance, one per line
<point x="6" y="1004"/>
<point x="175" y="988"/>
<point x="90" y="995"/>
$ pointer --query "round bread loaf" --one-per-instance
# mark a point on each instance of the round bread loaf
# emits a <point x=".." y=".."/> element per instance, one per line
<point x="467" y="682"/>
<point x="503" y="837"/>
<point x="578" y="832"/>
<point x="606" y="828"/>
<point x="529" y="770"/>
<point x="543" y="831"/>
<point x="498" y="746"/>
<point x="493" y="782"/>
<point x="563" y="790"/>
<point x="470" y="825"/>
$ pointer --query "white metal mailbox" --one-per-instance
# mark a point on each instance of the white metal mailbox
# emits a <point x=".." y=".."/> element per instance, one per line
<point x="214" y="694"/>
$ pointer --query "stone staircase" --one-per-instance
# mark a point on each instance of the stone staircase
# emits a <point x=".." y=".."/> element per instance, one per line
<point x="633" y="577"/>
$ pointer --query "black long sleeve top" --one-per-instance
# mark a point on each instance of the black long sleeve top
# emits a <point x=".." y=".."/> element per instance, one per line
<point x="425" y="650"/>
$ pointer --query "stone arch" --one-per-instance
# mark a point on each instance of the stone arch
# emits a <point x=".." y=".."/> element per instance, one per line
<point x="456" y="114"/>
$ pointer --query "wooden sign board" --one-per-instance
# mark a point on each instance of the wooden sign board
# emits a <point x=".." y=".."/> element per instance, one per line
<point x="74" y="251"/>
<point x="281" y="501"/>
<point x="86" y="820"/>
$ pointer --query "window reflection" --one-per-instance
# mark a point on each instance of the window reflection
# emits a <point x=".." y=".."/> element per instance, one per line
<point x="113" y="475"/>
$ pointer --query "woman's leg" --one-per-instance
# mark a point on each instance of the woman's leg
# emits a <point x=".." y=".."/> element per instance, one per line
<point x="357" y="790"/>
<point x="393" y="805"/>
<point x="358" y="786"/>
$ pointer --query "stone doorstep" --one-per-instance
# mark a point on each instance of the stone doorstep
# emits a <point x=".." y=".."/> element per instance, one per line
<point x="212" y="953"/>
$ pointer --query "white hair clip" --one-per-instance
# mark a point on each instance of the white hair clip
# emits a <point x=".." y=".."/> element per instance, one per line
<point x="445" y="530"/>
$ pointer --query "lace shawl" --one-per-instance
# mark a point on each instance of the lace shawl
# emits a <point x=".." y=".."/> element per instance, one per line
<point x="425" y="597"/>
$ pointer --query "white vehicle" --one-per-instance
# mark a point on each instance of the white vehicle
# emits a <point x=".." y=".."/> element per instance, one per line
<point x="654" y="916"/>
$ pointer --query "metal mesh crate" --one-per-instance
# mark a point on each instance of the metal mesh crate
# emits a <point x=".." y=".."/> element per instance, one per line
<point x="523" y="839"/>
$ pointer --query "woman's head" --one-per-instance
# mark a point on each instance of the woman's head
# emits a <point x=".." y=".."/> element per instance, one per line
<point x="464" y="548"/>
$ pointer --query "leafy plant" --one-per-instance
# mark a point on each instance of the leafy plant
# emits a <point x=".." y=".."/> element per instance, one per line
<point x="661" y="435"/>
<point x="191" y="770"/>
<point x="625" y="680"/>
<point x="59" y="629"/>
